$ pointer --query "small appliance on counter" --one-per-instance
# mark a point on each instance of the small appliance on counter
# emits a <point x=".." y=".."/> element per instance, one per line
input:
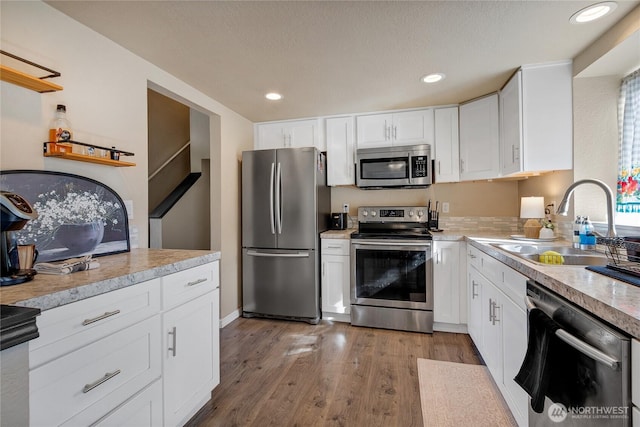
<point x="15" y="213"/>
<point x="339" y="220"/>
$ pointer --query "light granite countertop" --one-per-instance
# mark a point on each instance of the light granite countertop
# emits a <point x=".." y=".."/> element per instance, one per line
<point x="117" y="271"/>
<point x="614" y="301"/>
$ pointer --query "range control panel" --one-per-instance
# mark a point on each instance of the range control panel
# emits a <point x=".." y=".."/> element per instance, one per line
<point x="392" y="214"/>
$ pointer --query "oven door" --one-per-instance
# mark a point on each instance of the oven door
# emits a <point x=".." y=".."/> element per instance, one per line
<point x="392" y="273"/>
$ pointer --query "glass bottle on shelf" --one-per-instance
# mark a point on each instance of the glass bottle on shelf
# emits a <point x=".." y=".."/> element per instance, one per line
<point x="60" y="133"/>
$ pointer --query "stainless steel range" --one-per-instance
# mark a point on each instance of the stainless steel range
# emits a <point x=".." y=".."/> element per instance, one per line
<point x="391" y="269"/>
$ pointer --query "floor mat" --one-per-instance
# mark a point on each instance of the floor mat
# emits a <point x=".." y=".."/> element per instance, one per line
<point x="458" y="394"/>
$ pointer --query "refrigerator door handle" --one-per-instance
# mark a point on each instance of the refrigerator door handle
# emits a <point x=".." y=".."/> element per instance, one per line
<point x="277" y="255"/>
<point x="279" y="198"/>
<point x="271" y="214"/>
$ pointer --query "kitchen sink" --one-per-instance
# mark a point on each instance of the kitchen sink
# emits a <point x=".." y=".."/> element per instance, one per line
<point x="570" y="255"/>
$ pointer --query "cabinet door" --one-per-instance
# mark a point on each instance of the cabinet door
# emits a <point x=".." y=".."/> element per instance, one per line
<point x="492" y="320"/>
<point x="446" y="145"/>
<point x="190" y="352"/>
<point x="514" y="340"/>
<point x="373" y="130"/>
<point x="446" y="295"/>
<point x="413" y="127"/>
<point x="335" y="284"/>
<point x="269" y="136"/>
<point x="474" y="306"/>
<point x="479" y="139"/>
<point x="340" y="151"/>
<point x="303" y="133"/>
<point x="511" y="125"/>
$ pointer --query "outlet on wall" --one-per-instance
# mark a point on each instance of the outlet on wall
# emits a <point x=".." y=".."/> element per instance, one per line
<point x="445" y="207"/>
<point x="345" y="208"/>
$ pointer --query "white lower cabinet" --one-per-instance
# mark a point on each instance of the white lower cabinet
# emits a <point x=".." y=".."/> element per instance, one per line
<point x="190" y="360"/>
<point x="335" y="279"/>
<point x="105" y="361"/>
<point x="449" y="284"/>
<point x="497" y="324"/>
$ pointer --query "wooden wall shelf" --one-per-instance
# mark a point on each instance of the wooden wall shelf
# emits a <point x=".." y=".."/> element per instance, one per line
<point x="50" y="149"/>
<point x="25" y="80"/>
<point x="90" y="159"/>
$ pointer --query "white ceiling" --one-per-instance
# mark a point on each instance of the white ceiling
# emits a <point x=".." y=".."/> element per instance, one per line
<point x="334" y="57"/>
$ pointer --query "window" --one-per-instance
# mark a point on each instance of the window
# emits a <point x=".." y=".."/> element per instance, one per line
<point x="628" y="191"/>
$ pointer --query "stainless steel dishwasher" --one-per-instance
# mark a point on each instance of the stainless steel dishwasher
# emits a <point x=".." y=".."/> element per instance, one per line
<point x="597" y="355"/>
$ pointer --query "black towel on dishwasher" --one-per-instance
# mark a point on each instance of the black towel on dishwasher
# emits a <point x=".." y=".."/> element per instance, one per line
<point x="535" y="372"/>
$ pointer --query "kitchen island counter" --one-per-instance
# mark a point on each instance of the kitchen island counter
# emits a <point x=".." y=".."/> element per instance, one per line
<point x="47" y="291"/>
<point x="614" y="301"/>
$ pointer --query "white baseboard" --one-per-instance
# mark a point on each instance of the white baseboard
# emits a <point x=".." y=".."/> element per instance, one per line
<point x="229" y="318"/>
<point x="336" y="317"/>
<point x="450" y="327"/>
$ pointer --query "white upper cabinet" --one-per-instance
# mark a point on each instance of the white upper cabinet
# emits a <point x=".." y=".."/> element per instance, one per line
<point x="340" y="151"/>
<point x="447" y="149"/>
<point x="536" y="119"/>
<point x="289" y="134"/>
<point x="401" y="128"/>
<point x="479" y="139"/>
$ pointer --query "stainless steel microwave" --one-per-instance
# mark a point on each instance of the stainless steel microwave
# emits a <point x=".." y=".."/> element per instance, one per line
<point x="401" y="167"/>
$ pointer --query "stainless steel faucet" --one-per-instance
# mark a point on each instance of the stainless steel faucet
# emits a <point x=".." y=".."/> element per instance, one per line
<point x="563" y="207"/>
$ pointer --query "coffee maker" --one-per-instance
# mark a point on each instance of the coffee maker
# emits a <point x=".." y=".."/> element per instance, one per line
<point x="15" y="213"/>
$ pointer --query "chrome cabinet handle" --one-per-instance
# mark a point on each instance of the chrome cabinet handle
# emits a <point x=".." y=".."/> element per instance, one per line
<point x="438" y="167"/>
<point x="173" y="333"/>
<point x="395" y="132"/>
<point x="88" y="387"/>
<point x="473" y="289"/>
<point x="387" y="131"/>
<point x="472" y="256"/>
<point x="99" y="318"/>
<point x="495" y="316"/>
<point x="197" y="282"/>
<point x="490" y="310"/>
<point x="334" y="247"/>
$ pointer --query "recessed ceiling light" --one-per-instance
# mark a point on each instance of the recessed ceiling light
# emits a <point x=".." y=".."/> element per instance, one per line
<point x="593" y="12"/>
<point x="272" y="96"/>
<point x="432" y="78"/>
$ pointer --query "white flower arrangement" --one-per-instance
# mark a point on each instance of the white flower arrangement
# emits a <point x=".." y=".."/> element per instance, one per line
<point x="55" y="210"/>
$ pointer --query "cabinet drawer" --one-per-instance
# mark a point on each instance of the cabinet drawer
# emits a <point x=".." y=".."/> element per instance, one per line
<point x="73" y="326"/>
<point x="335" y="246"/>
<point x="514" y="285"/>
<point x="143" y="410"/>
<point x="185" y="285"/>
<point x="104" y="374"/>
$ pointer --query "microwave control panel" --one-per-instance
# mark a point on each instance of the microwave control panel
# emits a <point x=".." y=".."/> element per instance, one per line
<point x="419" y="167"/>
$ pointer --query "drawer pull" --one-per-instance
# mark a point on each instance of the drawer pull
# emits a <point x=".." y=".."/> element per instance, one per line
<point x="172" y="349"/>
<point x="197" y="282"/>
<point x="334" y="247"/>
<point x="88" y="387"/>
<point x="97" y="319"/>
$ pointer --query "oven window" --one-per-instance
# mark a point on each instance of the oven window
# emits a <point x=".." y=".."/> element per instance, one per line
<point x="390" y="168"/>
<point x="397" y="275"/>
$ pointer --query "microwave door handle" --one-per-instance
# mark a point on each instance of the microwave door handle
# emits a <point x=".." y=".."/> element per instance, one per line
<point x="410" y="169"/>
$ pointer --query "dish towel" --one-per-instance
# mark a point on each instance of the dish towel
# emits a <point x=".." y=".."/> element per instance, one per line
<point x="535" y="372"/>
<point x="69" y="266"/>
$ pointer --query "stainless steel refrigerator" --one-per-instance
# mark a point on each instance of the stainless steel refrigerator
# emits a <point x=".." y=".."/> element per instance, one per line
<point x="286" y="204"/>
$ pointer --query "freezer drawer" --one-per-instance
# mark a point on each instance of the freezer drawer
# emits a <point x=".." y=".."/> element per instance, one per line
<point x="280" y="283"/>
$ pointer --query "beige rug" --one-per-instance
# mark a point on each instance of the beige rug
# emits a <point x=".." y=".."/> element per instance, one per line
<point x="458" y="394"/>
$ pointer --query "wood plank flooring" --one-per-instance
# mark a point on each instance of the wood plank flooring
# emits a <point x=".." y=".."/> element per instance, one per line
<point x="281" y="373"/>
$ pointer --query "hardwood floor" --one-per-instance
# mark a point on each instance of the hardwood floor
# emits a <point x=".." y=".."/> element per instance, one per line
<point x="281" y="373"/>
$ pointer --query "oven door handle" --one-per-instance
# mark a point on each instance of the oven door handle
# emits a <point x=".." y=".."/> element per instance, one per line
<point x="578" y="344"/>
<point x="363" y="243"/>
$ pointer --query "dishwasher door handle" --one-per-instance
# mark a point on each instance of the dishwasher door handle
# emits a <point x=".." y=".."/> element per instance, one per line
<point x="578" y="344"/>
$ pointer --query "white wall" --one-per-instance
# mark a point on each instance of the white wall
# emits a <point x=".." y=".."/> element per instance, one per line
<point x="105" y="91"/>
